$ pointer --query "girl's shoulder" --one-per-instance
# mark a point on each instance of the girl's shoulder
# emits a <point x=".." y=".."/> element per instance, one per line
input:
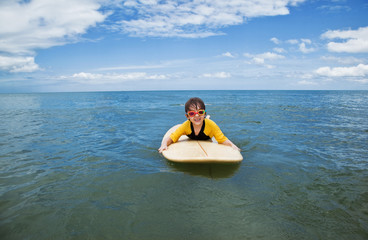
<point x="209" y="121"/>
<point x="186" y="123"/>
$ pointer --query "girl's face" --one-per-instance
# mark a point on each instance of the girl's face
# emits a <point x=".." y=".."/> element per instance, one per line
<point x="196" y="115"/>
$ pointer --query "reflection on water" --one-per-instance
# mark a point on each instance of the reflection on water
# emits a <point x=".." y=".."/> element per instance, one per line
<point x="213" y="170"/>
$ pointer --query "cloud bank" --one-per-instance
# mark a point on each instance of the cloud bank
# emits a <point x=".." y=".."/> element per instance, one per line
<point x="26" y="26"/>
<point x="217" y="75"/>
<point x="262" y="58"/>
<point x="16" y="64"/>
<point x="350" y="41"/>
<point x="97" y="78"/>
<point x="360" y="70"/>
<point x="194" y="19"/>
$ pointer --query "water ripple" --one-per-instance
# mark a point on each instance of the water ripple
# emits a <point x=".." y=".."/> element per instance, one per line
<point x="85" y="165"/>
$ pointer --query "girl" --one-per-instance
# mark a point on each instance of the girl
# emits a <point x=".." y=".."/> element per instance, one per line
<point x="197" y="127"/>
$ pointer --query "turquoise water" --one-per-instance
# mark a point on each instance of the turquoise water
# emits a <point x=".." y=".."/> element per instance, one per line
<point x="86" y="166"/>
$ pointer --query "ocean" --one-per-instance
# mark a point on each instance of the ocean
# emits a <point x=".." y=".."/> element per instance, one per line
<point x="86" y="166"/>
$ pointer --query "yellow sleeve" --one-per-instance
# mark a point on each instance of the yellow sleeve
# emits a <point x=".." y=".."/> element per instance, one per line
<point x="183" y="129"/>
<point x="212" y="130"/>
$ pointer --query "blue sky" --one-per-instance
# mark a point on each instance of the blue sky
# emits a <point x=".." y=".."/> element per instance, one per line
<point x="100" y="45"/>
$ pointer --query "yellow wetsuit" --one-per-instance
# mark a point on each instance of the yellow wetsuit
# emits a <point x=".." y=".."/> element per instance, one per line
<point x="208" y="130"/>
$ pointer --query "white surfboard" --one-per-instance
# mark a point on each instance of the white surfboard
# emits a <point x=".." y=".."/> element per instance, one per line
<point x="192" y="151"/>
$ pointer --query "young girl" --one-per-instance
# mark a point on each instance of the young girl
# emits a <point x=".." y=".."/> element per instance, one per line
<point x="197" y="127"/>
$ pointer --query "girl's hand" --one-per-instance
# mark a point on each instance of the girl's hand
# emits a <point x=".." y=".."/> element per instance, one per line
<point x="229" y="143"/>
<point x="236" y="148"/>
<point x="165" y="142"/>
<point x="162" y="148"/>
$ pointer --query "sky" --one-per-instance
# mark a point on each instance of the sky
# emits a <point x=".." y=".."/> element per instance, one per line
<point x="117" y="45"/>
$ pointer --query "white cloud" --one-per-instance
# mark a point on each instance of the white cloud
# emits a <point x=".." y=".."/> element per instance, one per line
<point x="270" y="56"/>
<point x="38" y="24"/>
<point x="308" y="83"/>
<point x="275" y="40"/>
<point x="307" y="76"/>
<point x="195" y="19"/>
<point x="302" y="44"/>
<point x="217" y="75"/>
<point x="364" y="80"/>
<point x="360" y="70"/>
<point x="228" y="54"/>
<point x="293" y="41"/>
<point x="334" y="8"/>
<point x="307" y="41"/>
<point x="97" y="78"/>
<point x="18" y="64"/>
<point x="132" y="67"/>
<point x="279" y="50"/>
<point x="303" y="48"/>
<point x="343" y="60"/>
<point x="258" y="60"/>
<point x="356" y="41"/>
<point x="263" y="57"/>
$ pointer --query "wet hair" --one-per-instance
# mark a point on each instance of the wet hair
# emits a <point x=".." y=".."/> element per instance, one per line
<point x="195" y="103"/>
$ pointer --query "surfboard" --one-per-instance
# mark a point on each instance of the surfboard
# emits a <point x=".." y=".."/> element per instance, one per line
<point x="186" y="150"/>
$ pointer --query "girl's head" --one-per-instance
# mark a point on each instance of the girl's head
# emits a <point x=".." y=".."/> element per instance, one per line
<point x="194" y="104"/>
<point x="195" y="111"/>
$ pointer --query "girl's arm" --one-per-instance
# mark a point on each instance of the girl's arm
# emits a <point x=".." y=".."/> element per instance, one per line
<point x="181" y="130"/>
<point x="164" y="144"/>
<point x="229" y="143"/>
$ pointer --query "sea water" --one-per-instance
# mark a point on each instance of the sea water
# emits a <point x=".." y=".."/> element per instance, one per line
<point x="86" y="166"/>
